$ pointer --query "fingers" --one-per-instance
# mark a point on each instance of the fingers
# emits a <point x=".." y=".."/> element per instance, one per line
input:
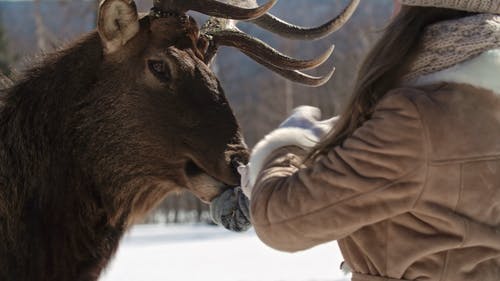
<point x="332" y="120"/>
<point x="325" y="126"/>
<point x="321" y="130"/>
<point x="308" y="117"/>
<point x="231" y="210"/>
<point x="302" y="117"/>
<point x="306" y="111"/>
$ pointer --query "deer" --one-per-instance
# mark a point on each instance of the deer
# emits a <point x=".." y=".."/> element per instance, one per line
<point x="99" y="132"/>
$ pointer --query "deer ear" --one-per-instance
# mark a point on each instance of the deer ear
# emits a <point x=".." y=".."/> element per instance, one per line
<point x="118" y="23"/>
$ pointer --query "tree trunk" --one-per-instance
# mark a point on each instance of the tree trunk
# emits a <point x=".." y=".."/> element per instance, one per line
<point x="45" y="40"/>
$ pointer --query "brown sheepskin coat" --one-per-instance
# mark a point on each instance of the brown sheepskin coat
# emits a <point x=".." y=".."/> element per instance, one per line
<point x="414" y="194"/>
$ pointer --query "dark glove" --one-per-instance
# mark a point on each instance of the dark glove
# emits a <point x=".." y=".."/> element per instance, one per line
<point x="231" y="210"/>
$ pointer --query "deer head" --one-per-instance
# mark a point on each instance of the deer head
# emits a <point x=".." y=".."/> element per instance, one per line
<point x="171" y="56"/>
<point x="159" y="65"/>
<point x="175" y="123"/>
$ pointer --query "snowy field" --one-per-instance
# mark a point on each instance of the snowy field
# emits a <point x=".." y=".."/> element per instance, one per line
<point x="207" y="253"/>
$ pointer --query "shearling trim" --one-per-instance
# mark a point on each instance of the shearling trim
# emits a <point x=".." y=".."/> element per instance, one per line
<point x="279" y="138"/>
<point x="482" y="71"/>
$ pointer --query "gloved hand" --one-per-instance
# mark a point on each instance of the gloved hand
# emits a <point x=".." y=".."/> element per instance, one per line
<point x="231" y="210"/>
<point x="307" y="117"/>
<point x="302" y="129"/>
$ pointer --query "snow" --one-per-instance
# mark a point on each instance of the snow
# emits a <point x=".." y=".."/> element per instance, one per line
<point x="209" y="253"/>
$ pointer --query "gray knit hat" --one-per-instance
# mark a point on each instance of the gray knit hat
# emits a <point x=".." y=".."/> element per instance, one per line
<point x="476" y="6"/>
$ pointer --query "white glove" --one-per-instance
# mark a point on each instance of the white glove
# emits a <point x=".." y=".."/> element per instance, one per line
<point x="307" y="117"/>
<point x="302" y="129"/>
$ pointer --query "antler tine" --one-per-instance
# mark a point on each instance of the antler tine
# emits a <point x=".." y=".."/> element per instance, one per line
<point x="256" y="48"/>
<point x="214" y="8"/>
<point x="291" y="31"/>
<point x="295" y="75"/>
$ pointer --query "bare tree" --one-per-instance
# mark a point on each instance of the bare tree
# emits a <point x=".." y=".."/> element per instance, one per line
<point x="46" y="40"/>
<point x="4" y="55"/>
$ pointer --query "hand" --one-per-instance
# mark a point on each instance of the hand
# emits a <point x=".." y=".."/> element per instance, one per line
<point x="307" y="117"/>
<point x="231" y="209"/>
<point x="302" y="129"/>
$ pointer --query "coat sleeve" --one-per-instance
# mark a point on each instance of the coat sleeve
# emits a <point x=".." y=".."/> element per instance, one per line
<point x="375" y="174"/>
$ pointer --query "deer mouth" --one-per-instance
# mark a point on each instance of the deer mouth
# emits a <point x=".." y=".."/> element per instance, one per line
<point x="202" y="184"/>
<point x="191" y="169"/>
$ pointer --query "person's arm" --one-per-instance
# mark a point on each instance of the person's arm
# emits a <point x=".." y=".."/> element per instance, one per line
<point x="376" y="174"/>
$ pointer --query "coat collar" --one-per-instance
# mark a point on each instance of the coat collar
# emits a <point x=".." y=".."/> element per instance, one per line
<point x="482" y="71"/>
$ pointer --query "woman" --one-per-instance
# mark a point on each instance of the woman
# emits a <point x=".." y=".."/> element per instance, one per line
<point x="408" y="180"/>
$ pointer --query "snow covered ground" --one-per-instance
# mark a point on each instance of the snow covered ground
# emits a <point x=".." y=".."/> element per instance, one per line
<point x="208" y="253"/>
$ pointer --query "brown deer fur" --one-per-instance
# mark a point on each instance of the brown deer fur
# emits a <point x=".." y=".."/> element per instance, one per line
<point x="90" y="141"/>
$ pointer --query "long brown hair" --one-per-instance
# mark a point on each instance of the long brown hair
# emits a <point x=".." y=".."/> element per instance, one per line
<point x="383" y="69"/>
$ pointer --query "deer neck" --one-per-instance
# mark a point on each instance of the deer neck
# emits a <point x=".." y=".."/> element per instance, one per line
<point x="52" y="212"/>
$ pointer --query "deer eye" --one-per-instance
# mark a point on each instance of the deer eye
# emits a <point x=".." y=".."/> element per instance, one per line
<point x="160" y="70"/>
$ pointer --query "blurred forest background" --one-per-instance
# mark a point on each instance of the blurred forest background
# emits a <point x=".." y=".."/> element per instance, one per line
<point x="260" y="98"/>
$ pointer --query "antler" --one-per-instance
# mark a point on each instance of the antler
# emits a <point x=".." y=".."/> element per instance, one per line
<point x="221" y="30"/>
<point x="213" y="8"/>
<point x="291" y="31"/>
